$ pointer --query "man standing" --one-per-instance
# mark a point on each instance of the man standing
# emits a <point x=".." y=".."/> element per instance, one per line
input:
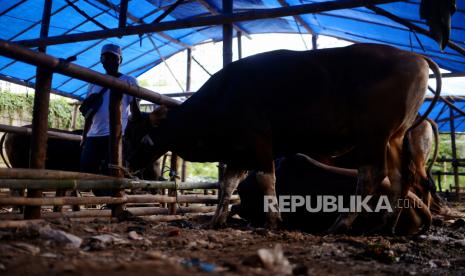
<point x="95" y="141"/>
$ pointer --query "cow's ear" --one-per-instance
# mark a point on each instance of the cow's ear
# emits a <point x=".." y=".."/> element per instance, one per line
<point x="158" y="115"/>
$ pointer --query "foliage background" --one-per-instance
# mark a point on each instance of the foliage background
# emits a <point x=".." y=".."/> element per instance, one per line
<point x="16" y="109"/>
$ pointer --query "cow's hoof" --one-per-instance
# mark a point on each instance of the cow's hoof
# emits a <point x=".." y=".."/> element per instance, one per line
<point x="273" y="221"/>
<point x="218" y="221"/>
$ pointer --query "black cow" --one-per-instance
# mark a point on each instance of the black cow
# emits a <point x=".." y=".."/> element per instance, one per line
<point x="283" y="102"/>
<point x="61" y="154"/>
<point x="298" y="176"/>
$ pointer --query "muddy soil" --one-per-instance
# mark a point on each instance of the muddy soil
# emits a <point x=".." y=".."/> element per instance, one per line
<point x="181" y="247"/>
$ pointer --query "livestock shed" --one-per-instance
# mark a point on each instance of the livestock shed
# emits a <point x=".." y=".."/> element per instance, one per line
<point x="52" y="45"/>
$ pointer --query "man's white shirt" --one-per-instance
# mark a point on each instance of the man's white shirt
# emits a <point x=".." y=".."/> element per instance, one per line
<point x="101" y="121"/>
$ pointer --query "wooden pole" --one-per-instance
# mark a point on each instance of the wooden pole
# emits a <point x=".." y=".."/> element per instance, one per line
<point x="116" y="145"/>
<point x="123" y="11"/>
<point x="227" y="34"/>
<point x="23" y="54"/>
<point x="454" y="154"/>
<point x="239" y="45"/>
<point x="188" y="88"/>
<point x="314" y="42"/>
<point x="206" y="21"/>
<point x="141" y="211"/>
<point x="51" y="133"/>
<point x="38" y="150"/>
<point x="173" y="177"/>
<point x="104" y="184"/>
<point x="52" y="201"/>
<point x="227" y="53"/>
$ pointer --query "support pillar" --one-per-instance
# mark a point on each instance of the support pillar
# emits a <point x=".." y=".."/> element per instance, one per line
<point x="43" y="85"/>
<point x="314" y="42"/>
<point x="454" y="154"/>
<point x="239" y="45"/>
<point x="173" y="177"/>
<point x="227" y="54"/>
<point x="116" y="146"/>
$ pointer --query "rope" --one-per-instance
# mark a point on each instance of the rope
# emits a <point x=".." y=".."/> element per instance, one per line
<point x="125" y="170"/>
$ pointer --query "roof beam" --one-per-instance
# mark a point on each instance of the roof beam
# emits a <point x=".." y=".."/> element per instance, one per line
<point x="38" y="22"/>
<point x="298" y="18"/>
<point x="85" y="15"/>
<point x="214" y="11"/>
<point x="205" y="21"/>
<point x="414" y="27"/>
<point x="123" y="10"/>
<point x="139" y="21"/>
<point x="12" y="7"/>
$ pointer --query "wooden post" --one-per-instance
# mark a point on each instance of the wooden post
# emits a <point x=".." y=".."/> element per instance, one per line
<point x="239" y="45"/>
<point x="38" y="149"/>
<point x="188" y="88"/>
<point x="227" y="33"/>
<point x="314" y="42"/>
<point x="123" y="11"/>
<point x="173" y="175"/>
<point x="116" y="145"/>
<point x="227" y="54"/>
<point x="439" y="181"/>
<point x="454" y="154"/>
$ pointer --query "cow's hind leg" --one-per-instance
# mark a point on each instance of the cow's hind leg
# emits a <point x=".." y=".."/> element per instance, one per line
<point x="231" y="179"/>
<point x="370" y="177"/>
<point x="267" y="180"/>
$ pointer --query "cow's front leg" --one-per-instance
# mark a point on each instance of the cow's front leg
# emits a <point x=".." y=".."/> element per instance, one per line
<point x="267" y="181"/>
<point x="232" y="178"/>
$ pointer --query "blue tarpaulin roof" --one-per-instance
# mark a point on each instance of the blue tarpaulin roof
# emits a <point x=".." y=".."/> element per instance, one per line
<point x="20" y="20"/>
<point x="442" y="114"/>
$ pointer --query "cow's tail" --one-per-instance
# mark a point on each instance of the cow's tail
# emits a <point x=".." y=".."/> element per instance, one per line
<point x="437" y="73"/>
<point x="2" y="143"/>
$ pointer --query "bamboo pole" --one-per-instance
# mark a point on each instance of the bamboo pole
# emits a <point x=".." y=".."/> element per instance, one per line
<point x="28" y="131"/>
<point x="140" y="211"/>
<point x="91" y="184"/>
<point x="38" y="147"/>
<point x="69" y="69"/>
<point x="48" y="174"/>
<point x="123" y="10"/>
<point x="116" y="145"/>
<point x="173" y="177"/>
<point x="239" y="45"/>
<point x="454" y="154"/>
<point x="59" y="201"/>
<point x="205" y="21"/>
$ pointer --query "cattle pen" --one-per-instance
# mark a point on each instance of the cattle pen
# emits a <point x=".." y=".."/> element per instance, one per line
<point x="157" y="226"/>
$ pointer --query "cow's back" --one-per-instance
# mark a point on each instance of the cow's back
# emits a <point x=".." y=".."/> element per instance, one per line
<point x="61" y="154"/>
<point x="332" y="98"/>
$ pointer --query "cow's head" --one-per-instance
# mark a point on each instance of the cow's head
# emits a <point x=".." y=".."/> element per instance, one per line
<point x="141" y="147"/>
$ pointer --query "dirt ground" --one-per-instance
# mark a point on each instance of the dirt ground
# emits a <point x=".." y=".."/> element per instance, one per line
<point x="143" y="247"/>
